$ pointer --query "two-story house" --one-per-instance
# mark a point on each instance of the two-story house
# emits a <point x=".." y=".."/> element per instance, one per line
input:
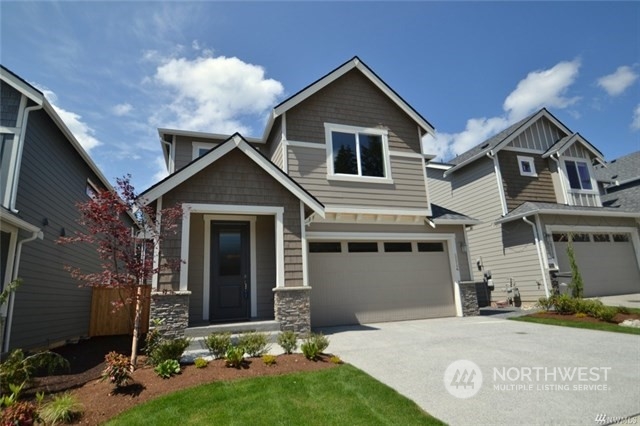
<point x="44" y="173"/>
<point x="533" y="187"/>
<point x="326" y="219"/>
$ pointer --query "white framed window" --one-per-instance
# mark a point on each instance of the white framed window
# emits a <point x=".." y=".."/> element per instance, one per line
<point x="357" y="153"/>
<point x="91" y="190"/>
<point x="200" y="149"/>
<point x="579" y="174"/>
<point x="8" y="160"/>
<point x="526" y="166"/>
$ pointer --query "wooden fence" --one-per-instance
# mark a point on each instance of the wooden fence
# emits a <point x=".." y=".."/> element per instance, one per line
<point x="107" y="322"/>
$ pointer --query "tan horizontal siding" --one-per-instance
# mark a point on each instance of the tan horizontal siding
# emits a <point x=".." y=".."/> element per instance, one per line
<point x="308" y="167"/>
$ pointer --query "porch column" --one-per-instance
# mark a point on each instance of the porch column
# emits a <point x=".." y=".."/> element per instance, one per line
<point x="292" y="308"/>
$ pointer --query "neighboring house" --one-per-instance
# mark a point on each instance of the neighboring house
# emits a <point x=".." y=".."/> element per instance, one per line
<point x="533" y="186"/>
<point x="325" y="220"/>
<point x="44" y="173"/>
<point x="619" y="180"/>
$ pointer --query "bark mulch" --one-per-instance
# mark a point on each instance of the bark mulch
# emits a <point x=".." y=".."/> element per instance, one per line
<point x="572" y="317"/>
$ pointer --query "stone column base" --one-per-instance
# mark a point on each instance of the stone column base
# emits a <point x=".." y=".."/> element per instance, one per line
<point x="292" y="308"/>
<point x="469" y="298"/>
<point x="172" y="309"/>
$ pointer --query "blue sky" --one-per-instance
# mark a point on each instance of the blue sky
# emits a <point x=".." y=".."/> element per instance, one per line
<point x="116" y="71"/>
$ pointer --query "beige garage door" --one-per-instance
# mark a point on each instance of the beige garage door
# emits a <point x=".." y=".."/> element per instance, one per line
<point x="606" y="261"/>
<point x="364" y="282"/>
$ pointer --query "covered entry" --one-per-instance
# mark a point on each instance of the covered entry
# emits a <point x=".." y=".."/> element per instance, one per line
<point x="607" y="261"/>
<point x="361" y="281"/>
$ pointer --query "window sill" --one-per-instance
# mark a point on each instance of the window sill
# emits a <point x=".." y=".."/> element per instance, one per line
<point x="361" y="179"/>
<point x="583" y="191"/>
<point x="529" y="174"/>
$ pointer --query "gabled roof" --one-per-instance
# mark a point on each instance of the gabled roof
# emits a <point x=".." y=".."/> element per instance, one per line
<point x="35" y="95"/>
<point x="354" y="63"/>
<point x="621" y="170"/>
<point x="563" y="144"/>
<point x="502" y="139"/>
<point x="530" y="208"/>
<point x="235" y="141"/>
<point x="444" y="216"/>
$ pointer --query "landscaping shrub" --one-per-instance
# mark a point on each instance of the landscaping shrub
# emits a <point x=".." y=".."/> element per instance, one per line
<point x="118" y="370"/>
<point x="169" y="349"/>
<point x="200" y="362"/>
<point x="60" y="409"/>
<point x="234" y="357"/>
<point x="565" y="304"/>
<point x="253" y="343"/>
<point x="623" y="310"/>
<point x="313" y="345"/>
<point x="153" y="338"/>
<point x="606" y="313"/>
<point x="335" y="360"/>
<point x="288" y="340"/>
<point x="20" y="413"/>
<point x="586" y="306"/>
<point x="18" y="368"/>
<point x="218" y="344"/>
<point x="167" y="368"/>
<point x="269" y="359"/>
<point x="546" y="303"/>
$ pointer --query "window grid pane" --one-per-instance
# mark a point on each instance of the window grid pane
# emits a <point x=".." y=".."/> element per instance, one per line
<point x="363" y="247"/>
<point x="333" y="247"/>
<point x="371" y="156"/>
<point x="397" y="247"/>
<point x="344" y="153"/>
<point x="583" y="171"/>
<point x="572" y="174"/>
<point x="430" y="247"/>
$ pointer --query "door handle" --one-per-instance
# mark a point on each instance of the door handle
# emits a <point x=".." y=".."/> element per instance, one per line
<point x="246" y="290"/>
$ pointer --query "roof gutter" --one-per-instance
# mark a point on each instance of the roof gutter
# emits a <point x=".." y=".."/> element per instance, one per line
<point x="16" y="171"/>
<point x="539" y="251"/>
<point x="629" y="214"/>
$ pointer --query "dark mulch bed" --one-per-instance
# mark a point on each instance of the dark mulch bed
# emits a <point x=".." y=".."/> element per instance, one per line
<point x="572" y="317"/>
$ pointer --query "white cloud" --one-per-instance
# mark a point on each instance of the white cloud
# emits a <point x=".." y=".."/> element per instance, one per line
<point x="541" y="88"/>
<point x="615" y="84"/>
<point x="213" y="93"/>
<point x="161" y="169"/>
<point x="635" y="123"/>
<point x="81" y="130"/>
<point x="122" y="109"/>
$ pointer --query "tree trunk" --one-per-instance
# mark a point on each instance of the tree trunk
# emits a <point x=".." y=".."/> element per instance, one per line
<point x="136" y="327"/>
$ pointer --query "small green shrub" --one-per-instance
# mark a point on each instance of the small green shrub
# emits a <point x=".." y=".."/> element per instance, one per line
<point x="581" y="315"/>
<point x="18" y="368"/>
<point x="234" y="357"/>
<point x="60" y="409"/>
<point x="314" y="344"/>
<point x="169" y="349"/>
<point x="623" y="310"/>
<point x="253" y="343"/>
<point x="218" y="344"/>
<point x="545" y="303"/>
<point x="335" y="360"/>
<point x="118" y="369"/>
<point x="288" y="340"/>
<point x="269" y="359"/>
<point x="167" y="368"/>
<point x="606" y="313"/>
<point x="200" y="362"/>
<point x="587" y="306"/>
<point x="20" y="413"/>
<point x="565" y="304"/>
<point x="152" y="339"/>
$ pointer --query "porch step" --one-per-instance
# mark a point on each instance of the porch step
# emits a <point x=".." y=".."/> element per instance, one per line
<point x="233" y="328"/>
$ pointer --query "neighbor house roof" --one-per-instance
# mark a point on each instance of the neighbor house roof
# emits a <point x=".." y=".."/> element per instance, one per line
<point x="35" y="95"/>
<point x="530" y="208"/>
<point x="621" y="170"/>
<point x="500" y="140"/>
<point x="235" y="141"/>
<point x="354" y="63"/>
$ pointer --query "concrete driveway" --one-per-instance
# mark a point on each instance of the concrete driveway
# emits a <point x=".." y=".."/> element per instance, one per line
<point x="627" y="300"/>
<point x="525" y="369"/>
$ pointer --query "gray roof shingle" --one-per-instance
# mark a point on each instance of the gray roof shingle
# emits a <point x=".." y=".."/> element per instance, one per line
<point x="621" y="169"/>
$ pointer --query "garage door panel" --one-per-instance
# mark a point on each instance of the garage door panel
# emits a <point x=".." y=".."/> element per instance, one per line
<point x="607" y="268"/>
<point x="351" y="288"/>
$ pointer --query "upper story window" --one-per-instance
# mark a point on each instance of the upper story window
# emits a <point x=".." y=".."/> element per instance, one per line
<point x="200" y="149"/>
<point x="359" y="154"/>
<point x="526" y="165"/>
<point x="578" y="174"/>
<point x="91" y="190"/>
<point x="7" y="166"/>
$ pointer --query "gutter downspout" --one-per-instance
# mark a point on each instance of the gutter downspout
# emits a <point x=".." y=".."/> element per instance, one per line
<point x="16" y="172"/>
<point x="14" y="275"/>
<point x="542" y="269"/>
<point x="496" y="170"/>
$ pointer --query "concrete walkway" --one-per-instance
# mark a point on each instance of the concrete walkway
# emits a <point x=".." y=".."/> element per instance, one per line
<point x="412" y="357"/>
<point x="627" y="300"/>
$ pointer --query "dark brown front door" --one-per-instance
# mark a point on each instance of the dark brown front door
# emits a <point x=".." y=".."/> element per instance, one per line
<point x="230" y="278"/>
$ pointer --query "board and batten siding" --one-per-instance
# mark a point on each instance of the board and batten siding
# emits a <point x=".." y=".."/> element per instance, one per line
<point x="10" y="105"/>
<point x="519" y="189"/>
<point x="308" y="166"/>
<point x="237" y="180"/>
<point x="50" y="306"/>
<point x="539" y="136"/>
<point x="508" y="252"/>
<point x="273" y="148"/>
<point x="355" y="101"/>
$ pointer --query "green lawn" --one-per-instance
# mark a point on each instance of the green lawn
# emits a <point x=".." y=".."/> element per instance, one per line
<point x="605" y="326"/>
<point x="336" y="396"/>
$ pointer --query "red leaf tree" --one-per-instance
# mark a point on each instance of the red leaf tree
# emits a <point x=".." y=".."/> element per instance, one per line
<point x="126" y="234"/>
